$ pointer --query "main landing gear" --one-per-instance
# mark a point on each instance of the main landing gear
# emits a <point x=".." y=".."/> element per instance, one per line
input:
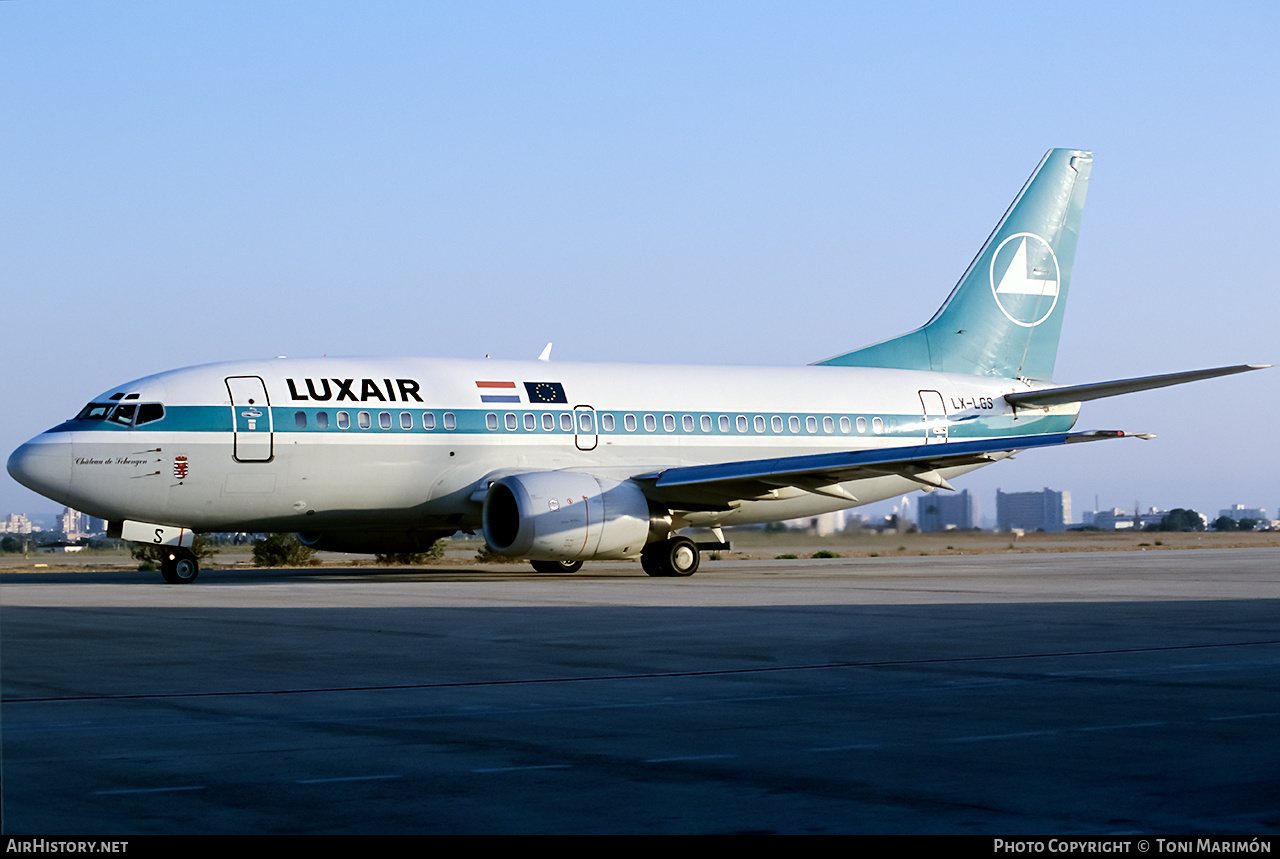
<point x="556" y="566"/>
<point x="678" y="556"/>
<point x="179" y="567"/>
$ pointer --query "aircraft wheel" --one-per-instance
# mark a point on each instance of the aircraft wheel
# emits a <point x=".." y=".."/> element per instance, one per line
<point x="652" y="559"/>
<point x="556" y="566"/>
<point x="675" y="557"/>
<point x="180" y="567"/>
<point x="683" y="557"/>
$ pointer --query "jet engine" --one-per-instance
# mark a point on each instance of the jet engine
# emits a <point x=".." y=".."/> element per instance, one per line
<point x="565" y="516"/>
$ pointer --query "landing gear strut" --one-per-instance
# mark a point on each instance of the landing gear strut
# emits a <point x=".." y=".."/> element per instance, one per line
<point x="675" y="557"/>
<point x="179" y="567"/>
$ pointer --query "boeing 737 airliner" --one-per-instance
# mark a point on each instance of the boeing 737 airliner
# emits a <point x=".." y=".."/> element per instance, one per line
<point x="561" y="463"/>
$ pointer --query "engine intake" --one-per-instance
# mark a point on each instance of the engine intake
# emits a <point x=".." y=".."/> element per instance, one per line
<point x="565" y="516"/>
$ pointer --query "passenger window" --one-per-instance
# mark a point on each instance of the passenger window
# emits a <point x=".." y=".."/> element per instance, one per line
<point x="742" y="423"/>
<point x="428" y="420"/>
<point x="548" y="421"/>
<point x="510" y="421"/>
<point x="759" y="422"/>
<point x="811" y="424"/>
<point x="566" y="422"/>
<point x="629" y="422"/>
<point x="344" y="420"/>
<point x="706" y="423"/>
<point x="450" y="422"/>
<point x="530" y="422"/>
<point x="862" y="424"/>
<point x="877" y="426"/>
<point x="322" y="420"/>
<point x="687" y="423"/>
<point x="300" y="420"/>
<point x="793" y="423"/>
<point x="606" y="422"/>
<point x="777" y="423"/>
<point x="406" y="421"/>
<point x="364" y="420"/>
<point x="491" y="421"/>
<point x="844" y="425"/>
<point x="148" y="412"/>
<point x="828" y="425"/>
<point x="724" y="423"/>
<point x="669" y="423"/>
<point x="384" y="420"/>
<point x="650" y="423"/>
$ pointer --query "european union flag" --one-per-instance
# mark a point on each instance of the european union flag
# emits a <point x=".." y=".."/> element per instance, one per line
<point x="545" y="392"/>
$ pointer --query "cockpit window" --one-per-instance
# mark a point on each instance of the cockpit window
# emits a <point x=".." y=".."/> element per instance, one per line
<point x="123" y="414"/>
<point x="148" y="412"/>
<point x="95" y="412"/>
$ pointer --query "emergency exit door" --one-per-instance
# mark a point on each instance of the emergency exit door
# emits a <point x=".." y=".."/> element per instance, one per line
<point x="935" y="417"/>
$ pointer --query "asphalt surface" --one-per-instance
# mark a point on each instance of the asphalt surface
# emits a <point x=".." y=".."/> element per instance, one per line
<point x="1115" y="692"/>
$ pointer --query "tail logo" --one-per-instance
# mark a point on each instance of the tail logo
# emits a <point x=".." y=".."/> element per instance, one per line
<point x="1024" y="279"/>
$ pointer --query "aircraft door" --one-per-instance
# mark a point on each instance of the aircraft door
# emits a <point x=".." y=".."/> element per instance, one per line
<point x="584" y="427"/>
<point x="935" y="417"/>
<point x="251" y="419"/>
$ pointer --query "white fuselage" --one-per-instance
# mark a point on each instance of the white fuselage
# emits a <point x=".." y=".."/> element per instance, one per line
<point x="354" y="443"/>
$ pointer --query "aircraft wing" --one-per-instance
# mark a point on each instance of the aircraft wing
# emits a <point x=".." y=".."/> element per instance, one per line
<point x="1098" y="390"/>
<point x="698" y="487"/>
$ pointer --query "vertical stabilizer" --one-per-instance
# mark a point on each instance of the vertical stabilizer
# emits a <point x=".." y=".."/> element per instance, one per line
<point x="1005" y="316"/>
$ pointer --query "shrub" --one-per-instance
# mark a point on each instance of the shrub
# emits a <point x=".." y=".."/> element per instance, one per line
<point x="432" y="556"/>
<point x="824" y="554"/>
<point x="487" y="555"/>
<point x="281" y="550"/>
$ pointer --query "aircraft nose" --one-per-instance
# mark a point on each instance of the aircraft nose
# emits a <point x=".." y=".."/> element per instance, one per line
<point x="44" y="466"/>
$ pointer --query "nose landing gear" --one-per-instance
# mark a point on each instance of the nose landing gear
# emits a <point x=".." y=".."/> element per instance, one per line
<point x="179" y="567"/>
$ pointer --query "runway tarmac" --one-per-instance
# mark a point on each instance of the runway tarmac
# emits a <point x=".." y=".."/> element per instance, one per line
<point x="1100" y="692"/>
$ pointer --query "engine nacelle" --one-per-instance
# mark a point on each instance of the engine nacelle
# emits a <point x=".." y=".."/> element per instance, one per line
<point x="565" y="516"/>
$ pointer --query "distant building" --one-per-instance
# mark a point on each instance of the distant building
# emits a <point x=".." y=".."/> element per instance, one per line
<point x="1239" y="511"/>
<point x="1116" y="519"/>
<point x="70" y="522"/>
<point x="946" y="511"/>
<point x="822" y="525"/>
<point x="16" y="523"/>
<point x="1033" y="511"/>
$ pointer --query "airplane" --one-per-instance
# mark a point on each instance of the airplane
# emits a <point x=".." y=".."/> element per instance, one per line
<point x="563" y="463"/>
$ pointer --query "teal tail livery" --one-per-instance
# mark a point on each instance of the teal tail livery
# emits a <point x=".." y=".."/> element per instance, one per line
<point x="564" y="463"/>
<point x="1005" y="316"/>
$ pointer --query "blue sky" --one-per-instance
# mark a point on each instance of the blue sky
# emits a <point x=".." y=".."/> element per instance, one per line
<point x="703" y="183"/>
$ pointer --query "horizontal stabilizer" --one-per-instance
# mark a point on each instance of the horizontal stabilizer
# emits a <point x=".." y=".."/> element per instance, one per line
<point x="1098" y="390"/>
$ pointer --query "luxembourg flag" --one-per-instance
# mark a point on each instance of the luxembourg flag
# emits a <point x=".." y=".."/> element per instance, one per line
<point x="498" y="392"/>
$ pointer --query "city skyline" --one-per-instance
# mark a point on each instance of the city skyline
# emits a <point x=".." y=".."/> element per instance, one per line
<point x="725" y="183"/>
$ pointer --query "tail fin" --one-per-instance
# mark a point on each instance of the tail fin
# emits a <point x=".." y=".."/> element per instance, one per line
<point x="1005" y="316"/>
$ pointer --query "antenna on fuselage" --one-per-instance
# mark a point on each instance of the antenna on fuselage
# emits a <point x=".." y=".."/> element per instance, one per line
<point x="546" y="354"/>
